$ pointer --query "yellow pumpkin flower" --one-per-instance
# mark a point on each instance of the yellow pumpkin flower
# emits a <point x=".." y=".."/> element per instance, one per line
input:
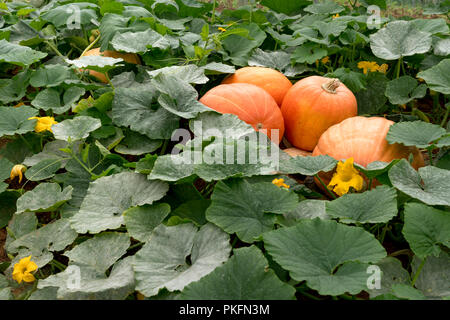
<point x="221" y="29"/>
<point x="22" y="270"/>
<point x="43" y="123"/>
<point x="280" y="183"/>
<point x="17" y="171"/>
<point x="383" y="68"/>
<point x="371" y="66"/>
<point x="336" y="16"/>
<point x="325" y="60"/>
<point x="19" y="104"/>
<point x="346" y="176"/>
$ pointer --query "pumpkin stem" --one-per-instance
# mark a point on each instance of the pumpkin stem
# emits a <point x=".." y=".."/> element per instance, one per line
<point x="331" y="85"/>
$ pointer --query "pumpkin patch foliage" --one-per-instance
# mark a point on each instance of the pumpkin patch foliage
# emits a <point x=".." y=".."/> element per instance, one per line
<point x="180" y="149"/>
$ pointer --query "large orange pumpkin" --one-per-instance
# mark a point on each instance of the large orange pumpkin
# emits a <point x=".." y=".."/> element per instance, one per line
<point x="312" y="105"/>
<point x="271" y="80"/>
<point x="364" y="139"/>
<point x="294" y="152"/>
<point x="250" y="103"/>
<point x="127" y="57"/>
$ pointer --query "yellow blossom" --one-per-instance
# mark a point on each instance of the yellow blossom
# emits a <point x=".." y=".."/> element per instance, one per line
<point x="17" y="171"/>
<point x="336" y="16"/>
<point x="371" y="66"/>
<point x="221" y="29"/>
<point x="346" y="176"/>
<point x="22" y="270"/>
<point x="280" y="183"/>
<point x="325" y="60"/>
<point x="19" y="104"/>
<point x="43" y="123"/>
<point x="383" y="68"/>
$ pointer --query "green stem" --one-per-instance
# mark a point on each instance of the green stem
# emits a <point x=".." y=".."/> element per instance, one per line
<point x="54" y="48"/>
<point x="81" y="163"/>
<point x="370" y="183"/>
<point x="89" y="47"/>
<point x="58" y="265"/>
<point x="444" y="121"/>
<point x="399" y="63"/>
<point x="383" y="233"/>
<point x="109" y="80"/>
<point x="164" y="147"/>
<point x="29" y="292"/>
<point x="416" y="276"/>
<point x="235" y="240"/>
<point x="430" y="155"/>
<point x="325" y="186"/>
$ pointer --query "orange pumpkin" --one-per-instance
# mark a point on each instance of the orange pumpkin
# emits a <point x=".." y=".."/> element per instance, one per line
<point x="294" y="152"/>
<point x="364" y="139"/>
<point x="127" y="57"/>
<point x="273" y="81"/>
<point x="312" y="105"/>
<point x="250" y="103"/>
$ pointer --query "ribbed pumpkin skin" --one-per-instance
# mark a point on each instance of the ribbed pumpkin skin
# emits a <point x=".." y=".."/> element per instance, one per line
<point x="273" y="81"/>
<point x="364" y="139"/>
<point x="250" y="103"/>
<point x="309" y="110"/>
<point x="128" y="57"/>
<point x="294" y="152"/>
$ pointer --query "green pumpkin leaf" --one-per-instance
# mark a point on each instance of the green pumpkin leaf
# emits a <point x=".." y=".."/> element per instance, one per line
<point x="248" y="209"/>
<point x="44" y="169"/>
<point x="306" y="209"/>
<point x="437" y="77"/>
<point x="406" y="291"/>
<point x="286" y="7"/>
<point x="434" y="277"/>
<point x="97" y="63"/>
<point x="132" y="107"/>
<point x="178" y="97"/>
<point x="308" y="53"/>
<point x="19" y="55"/>
<point x="51" y="76"/>
<point x="141" y="221"/>
<point x="100" y="252"/>
<point x="404" y="89"/>
<point x="325" y="7"/>
<point x="308" y="166"/>
<point x="331" y="257"/>
<point x="139" y="42"/>
<point x="108" y="197"/>
<point x="75" y="129"/>
<point x="45" y="197"/>
<point x="137" y="144"/>
<point x="50" y="99"/>
<point x="189" y="73"/>
<point x="162" y="263"/>
<point x="426" y="229"/>
<point x="375" y="206"/>
<point x="416" y="133"/>
<point x="15" y="120"/>
<point x="399" y="39"/>
<point x="55" y="236"/>
<point x="392" y="273"/>
<point x="248" y="268"/>
<point x="429" y="185"/>
<point x="92" y="286"/>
